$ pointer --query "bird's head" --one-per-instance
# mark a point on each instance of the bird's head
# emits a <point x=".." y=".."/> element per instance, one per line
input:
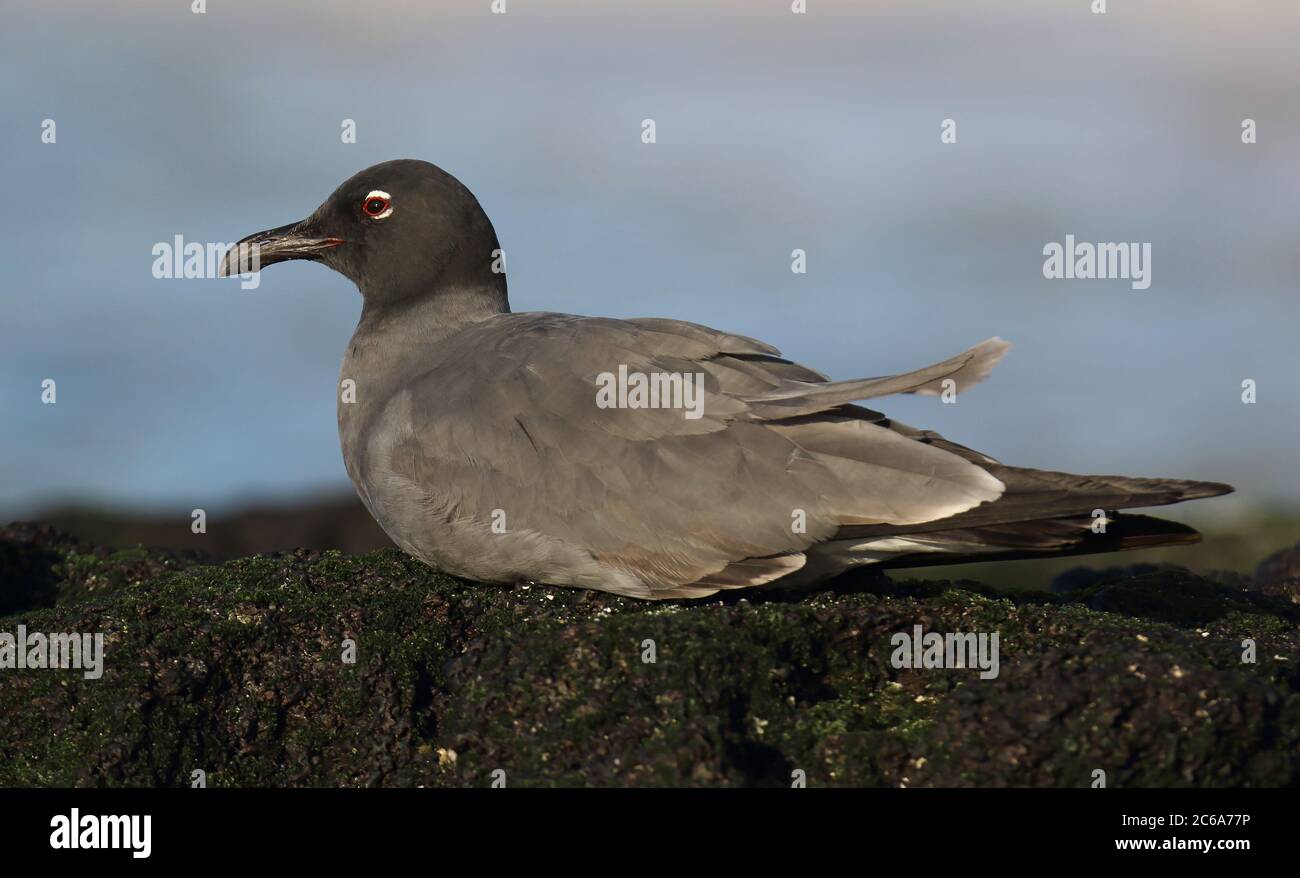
<point x="400" y="230"/>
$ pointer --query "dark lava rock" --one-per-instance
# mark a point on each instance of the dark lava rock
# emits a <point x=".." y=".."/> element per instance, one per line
<point x="241" y="670"/>
<point x="1279" y="574"/>
<point x="1084" y="577"/>
<point x="41" y="567"/>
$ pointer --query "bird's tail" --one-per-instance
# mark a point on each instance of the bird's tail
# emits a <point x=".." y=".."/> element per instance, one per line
<point x="1041" y="538"/>
<point x="1043" y="514"/>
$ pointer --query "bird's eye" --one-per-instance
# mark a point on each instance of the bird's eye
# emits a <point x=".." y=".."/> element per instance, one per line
<point x="377" y="205"/>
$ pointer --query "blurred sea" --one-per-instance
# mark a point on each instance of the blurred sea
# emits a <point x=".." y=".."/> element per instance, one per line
<point x="774" y="132"/>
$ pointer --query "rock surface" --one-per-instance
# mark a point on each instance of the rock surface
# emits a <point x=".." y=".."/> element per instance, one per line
<point x="1279" y="574"/>
<point x="238" y="670"/>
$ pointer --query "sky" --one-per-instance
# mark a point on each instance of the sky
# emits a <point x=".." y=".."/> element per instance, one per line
<point x="774" y="131"/>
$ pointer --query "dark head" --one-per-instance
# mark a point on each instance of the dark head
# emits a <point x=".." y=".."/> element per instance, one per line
<point x="402" y="231"/>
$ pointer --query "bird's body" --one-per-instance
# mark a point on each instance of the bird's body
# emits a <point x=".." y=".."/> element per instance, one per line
<point x="496" y="446"/>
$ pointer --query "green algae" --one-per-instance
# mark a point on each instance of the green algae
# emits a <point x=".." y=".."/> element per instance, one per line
<point x="240" y="670"/>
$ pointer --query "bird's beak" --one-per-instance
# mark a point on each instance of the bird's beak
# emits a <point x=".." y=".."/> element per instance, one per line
<point x="294" y="241"/>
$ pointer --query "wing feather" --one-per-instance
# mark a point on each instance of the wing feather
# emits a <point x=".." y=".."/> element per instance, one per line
<point x="506" y="419"/>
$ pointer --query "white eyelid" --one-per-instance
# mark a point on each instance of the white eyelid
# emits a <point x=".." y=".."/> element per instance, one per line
<point x="379" y="193"/>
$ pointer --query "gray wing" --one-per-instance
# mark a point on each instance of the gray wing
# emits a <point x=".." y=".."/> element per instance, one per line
<point x="507" y="420"/>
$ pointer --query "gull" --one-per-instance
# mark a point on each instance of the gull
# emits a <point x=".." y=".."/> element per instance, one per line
<point x="494" y="445"/>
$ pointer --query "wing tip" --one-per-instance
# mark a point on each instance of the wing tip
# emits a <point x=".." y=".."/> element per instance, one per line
<point x="1199" y="490"/>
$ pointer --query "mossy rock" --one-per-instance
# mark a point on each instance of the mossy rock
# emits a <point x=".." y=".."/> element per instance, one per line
<point x="238" y="670"/>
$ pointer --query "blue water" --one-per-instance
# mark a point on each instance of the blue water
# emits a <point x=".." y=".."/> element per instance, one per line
<point x="774" y="131"/>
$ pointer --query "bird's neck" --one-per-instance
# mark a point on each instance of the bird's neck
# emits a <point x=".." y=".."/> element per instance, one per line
<point x="394" y="337"/>
<point x="450" y="308"/>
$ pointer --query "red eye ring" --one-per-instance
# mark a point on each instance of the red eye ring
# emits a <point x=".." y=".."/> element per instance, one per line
<point x="374" y="206"/>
